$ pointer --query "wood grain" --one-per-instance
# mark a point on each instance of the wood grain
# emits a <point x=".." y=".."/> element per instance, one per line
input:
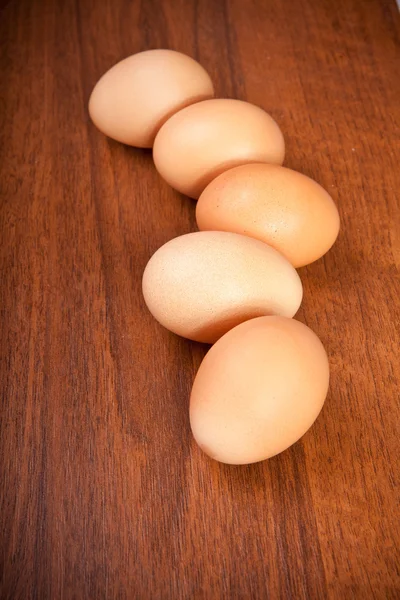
<point x="103" y="492"/>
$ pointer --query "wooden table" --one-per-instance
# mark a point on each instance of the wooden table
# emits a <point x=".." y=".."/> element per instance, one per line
<point x="104" y="493"/>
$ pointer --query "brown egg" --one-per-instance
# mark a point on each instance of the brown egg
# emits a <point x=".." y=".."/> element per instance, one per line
<point x="258" y="390"/>
<point x="202" y="141"/>
<point x="202" y="284"/>
<point x="137" y="95"/>
<point x="281" y="207"/>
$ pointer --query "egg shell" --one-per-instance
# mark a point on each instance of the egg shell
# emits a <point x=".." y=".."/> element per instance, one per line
<point x="258" y="390"/>
<point x="137" y="95"/>
<point x="202" y="284"/>
<point x="281" y="207"/>
<point x="205" y="139"/>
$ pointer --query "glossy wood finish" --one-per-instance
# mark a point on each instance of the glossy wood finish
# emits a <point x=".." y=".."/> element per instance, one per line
<point x="103" y="492"/>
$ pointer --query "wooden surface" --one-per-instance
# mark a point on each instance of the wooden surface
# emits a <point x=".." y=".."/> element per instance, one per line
<point x="103" y="491"/>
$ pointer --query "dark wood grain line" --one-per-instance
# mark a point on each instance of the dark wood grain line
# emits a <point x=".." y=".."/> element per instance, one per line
<point x="234" y="67"/>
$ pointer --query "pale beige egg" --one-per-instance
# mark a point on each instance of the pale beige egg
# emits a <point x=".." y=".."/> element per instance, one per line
<point x="137" y="95"/>
<point x="205" y="139"/>
<point x="281" y="207"/>
<point x="202" y="284"/>
<point x="258" y="390"/>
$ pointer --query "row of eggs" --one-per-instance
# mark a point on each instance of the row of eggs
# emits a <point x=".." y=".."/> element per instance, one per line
<point x="233" y="283"/>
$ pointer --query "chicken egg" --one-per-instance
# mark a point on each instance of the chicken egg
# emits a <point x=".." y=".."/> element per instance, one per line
<point x="205" y="139"/>
<point x="202" y="284"/>
<point x="258" y="390"/>
<point x="281" y="207"/>
<point x="137" y="95"/>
